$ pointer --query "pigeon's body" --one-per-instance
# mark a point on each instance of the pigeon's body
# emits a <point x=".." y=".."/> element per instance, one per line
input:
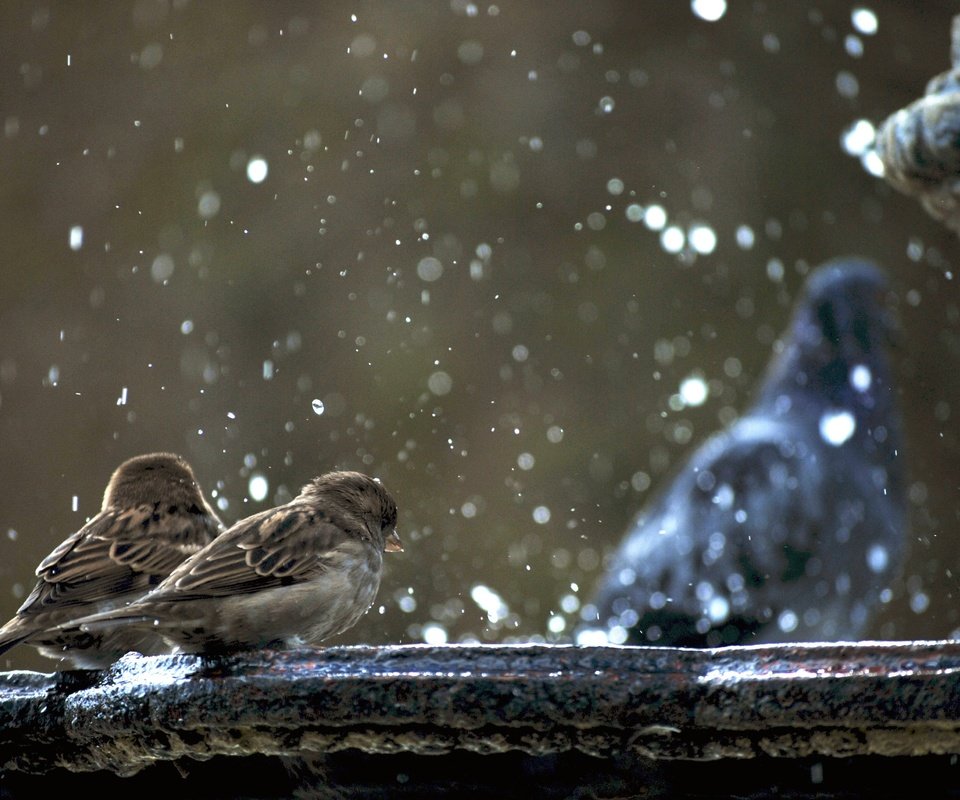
<point x="789" y="525"/>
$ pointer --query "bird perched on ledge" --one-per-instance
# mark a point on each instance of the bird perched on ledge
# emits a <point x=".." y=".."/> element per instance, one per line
<point x="789" y="525"/>
<point x="153" y="516"/>
<point x="284" y="577"/>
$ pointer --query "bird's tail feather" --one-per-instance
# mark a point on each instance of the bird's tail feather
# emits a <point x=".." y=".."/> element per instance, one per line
<point x="102" y="621"/>
<point x="12" y="637"/>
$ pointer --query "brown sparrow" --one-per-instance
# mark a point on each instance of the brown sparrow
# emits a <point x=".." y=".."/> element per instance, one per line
<point x="284" y="577"/>
<point x="154" y="515"/>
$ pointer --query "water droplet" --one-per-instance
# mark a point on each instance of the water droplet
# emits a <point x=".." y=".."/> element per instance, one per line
<point x="873" y="164"/>
<point x="317" y="406"/>
<point x="919" y="602"/>
<point x="258" y="487"/>
<point x="592" y="637"/>
<point x="655" y="217"/>
<point x="788" y="621"/>
<point x="429" y="269"/>
<point x="775" y="270"/>
<point x="837" y="426"/>
<point x="877" y="558"/>
<point x="617" y="634"/>
<point x="718" y="609"/>
<point x="556" y="624"/>
<point x="434" y="634"/>
<point x="672" y="239"/>
<point x="490" y="602"/>
<point x="853" y="45"/>
<point x="470" y="52"/>
<point x="858" y="138"/>
<point x="440" y="383"/>
<point x="570" y="603"/>
<point x="745" y="237"/>
<point x="162" y="268"/>
<point x="702" y="239"/>
<point x="709" y="10"/>
<point x="847" y="84"/>
<point x="694" y="391"/>
<point x="257" y="169"/>
<point x="861" y="378"/>
<point x="864" y="20"/>
<point x="724" y="496"/>
<point x="208" y="206"/>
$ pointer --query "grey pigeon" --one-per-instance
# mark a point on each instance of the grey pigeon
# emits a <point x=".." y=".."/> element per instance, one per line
<point x="791" y="524"/>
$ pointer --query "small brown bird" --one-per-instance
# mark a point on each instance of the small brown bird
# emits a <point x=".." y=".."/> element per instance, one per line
<point x="154" y="515"/>
<point x="282" y="578"/>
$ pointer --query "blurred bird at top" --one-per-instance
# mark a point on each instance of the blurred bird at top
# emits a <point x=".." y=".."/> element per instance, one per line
<point x="791" y="524"/>
<point x="153" y="516"/>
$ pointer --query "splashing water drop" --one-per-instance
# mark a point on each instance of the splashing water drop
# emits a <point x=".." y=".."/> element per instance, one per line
<point x="837" y="426"/>
<point x="258" y="487"/>
<point x="257" y="169"/>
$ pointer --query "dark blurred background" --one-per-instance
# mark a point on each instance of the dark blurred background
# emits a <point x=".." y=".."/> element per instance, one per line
<point x="452" y="256"/>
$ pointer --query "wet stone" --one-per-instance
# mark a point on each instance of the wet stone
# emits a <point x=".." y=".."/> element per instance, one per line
<point x="658" y="704"/>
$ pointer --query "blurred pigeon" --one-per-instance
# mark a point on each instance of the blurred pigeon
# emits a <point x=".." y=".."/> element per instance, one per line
<point x="790" y="525"/>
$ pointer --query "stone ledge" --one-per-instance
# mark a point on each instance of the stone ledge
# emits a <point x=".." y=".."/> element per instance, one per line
<point x="866" y="699"/>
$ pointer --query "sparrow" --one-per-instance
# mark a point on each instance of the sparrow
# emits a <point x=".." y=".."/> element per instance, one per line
<point x="289" y="576"/>
<point x="791" y="524"/>
<point x="153" y="516"/>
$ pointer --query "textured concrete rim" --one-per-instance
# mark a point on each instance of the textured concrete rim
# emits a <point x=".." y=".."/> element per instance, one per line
<point x="790" y="701"/>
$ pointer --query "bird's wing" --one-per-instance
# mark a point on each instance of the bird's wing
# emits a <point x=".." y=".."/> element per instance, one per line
<point x="156" y="541"/>
<point x="117" y="552"/>
<point x="733" y="532"/>
<point x="274" y="548"/>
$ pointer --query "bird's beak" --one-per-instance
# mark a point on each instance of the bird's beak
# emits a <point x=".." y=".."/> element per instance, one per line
<point x="392" y="543"/>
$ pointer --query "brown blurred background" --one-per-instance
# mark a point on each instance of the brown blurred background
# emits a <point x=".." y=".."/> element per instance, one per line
<point x="442" y="253"/>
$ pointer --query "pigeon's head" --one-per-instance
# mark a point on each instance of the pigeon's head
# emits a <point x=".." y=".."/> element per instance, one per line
<point x="844" y="312"/>
<point x="836" y="346"/>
